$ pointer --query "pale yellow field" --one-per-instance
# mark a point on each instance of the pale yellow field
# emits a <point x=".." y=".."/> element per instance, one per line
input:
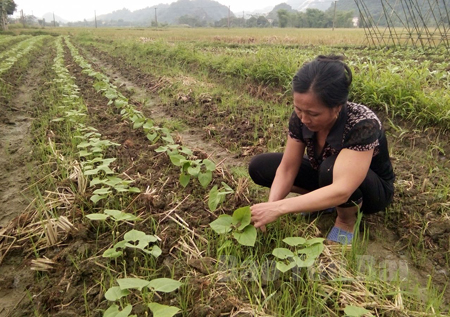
<point x="234" y="35"/>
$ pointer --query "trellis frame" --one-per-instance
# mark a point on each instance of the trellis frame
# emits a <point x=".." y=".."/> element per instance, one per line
<point x="406" y="22"/>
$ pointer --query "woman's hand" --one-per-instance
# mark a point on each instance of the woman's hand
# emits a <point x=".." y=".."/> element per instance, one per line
<point x="265" y="213"/>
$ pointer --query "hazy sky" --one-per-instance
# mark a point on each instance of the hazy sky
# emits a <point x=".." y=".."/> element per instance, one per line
<point x="84" y="9"/>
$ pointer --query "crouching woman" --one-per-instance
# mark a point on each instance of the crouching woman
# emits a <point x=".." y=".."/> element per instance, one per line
<point x="336" y="154"/>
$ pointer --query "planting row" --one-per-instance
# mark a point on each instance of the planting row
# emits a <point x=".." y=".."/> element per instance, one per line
<point x="179" y="155"/>
<point x="96" y="172"/>
<point x="9" y="57"/>
<point x="8" y="40"/>
<point x="410" y="83"/>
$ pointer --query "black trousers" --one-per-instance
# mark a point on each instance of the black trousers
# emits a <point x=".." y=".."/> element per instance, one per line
<point x="374" y="193"/>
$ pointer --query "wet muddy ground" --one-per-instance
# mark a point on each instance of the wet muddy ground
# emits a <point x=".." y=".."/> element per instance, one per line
<point x="17" y="112"/>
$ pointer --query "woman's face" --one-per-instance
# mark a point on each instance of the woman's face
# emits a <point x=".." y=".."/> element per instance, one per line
<point x="313" y="113"/>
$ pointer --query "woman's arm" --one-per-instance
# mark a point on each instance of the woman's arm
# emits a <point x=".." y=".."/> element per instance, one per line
<point x="288" y="169"/>
<point x="350" y="170"/>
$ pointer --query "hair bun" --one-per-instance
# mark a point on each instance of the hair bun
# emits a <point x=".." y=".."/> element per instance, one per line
<point x="330" y="58"/>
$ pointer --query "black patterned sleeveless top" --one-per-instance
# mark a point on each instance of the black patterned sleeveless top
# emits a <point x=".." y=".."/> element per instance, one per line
<point x="357" y="128"/>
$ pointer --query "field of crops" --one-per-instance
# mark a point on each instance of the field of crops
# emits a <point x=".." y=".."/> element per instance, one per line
<point x="125" y="190"/>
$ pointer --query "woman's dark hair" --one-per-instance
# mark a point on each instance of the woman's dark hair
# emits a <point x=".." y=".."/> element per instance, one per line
<point x="326" y="76"/>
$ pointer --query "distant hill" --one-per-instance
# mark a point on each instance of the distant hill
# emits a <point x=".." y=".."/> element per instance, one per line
<point x="204" y="10"/>
<point x="302" y="5"/>
<point x="282" y="6"/>
<point x="49" y="18"/>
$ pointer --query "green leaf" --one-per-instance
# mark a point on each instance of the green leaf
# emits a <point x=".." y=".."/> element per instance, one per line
<point x="120" y="215"/>
<point x="154" y="251"/>
<point x="113" y="311"/>
<point x="84" y="153"/>
<point x="136" y="235"/>
<point x="222" y="224"/>
<point x="205" y="178"/>
<point x="102" y="191"/>
<point x="115" y="293"/>
<point x="209" y="165"/>
<point x="111" y="94"/>
<point x="134" y="190"/>
<point x="141" y="238"/>
<point x="120" y="244"/>
<point x="194" y="170"/>
<point x="152" y="136"/>
<point x="126" y="217"/>
<point x="354" y="311"/>
<point x="186" y="151"/>
<point x="161" y="149"/>
<point x="128" y="283"/>
<point x="243" y="217"/>
<point x="148" y="125"/>
<point x="214" y="198"/>
<point x="108" y="161"/>
<point x="247" y="236"/>
<point x="168" y="138"/>
<point x="313" y="250"/>
<point x="282" y="253"/>
<point x="97" y="198"/>
<point x="120" y="103"/>
<point x="178" y="159"/>
<point x="283" y="267"/>
<point x="163" y="310"/>
<point x="100" y="217"/>
<point x="114" y="181"/>
<point x="112" y="212"/>
<point x="138" y="123"/>
<point x="165" y="285"/>
<point x="97" y="181"/>
<point x="304" y="260"/>
<point x="112" y="253"/>
<point x="83" y="145"/>
<point x="227" y="188"/>
<point x="105" y="169"/>
<point x="184" y="179"/>
<point x="121" y="188"/>
<point x="294" y="241"/>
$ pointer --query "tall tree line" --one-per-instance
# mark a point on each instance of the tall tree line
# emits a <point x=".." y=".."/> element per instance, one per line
<point x="314" y="18"/>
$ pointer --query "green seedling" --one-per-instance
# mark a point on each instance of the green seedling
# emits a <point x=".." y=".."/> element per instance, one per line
<point x="164" y="285"/>
<point x="95" y="145"/>
<point x="134" y="239"/>
<point x="305" y="254"/>
<point x="217" y="196"/>
<point x="200" y="169"/>
<point x="238" y="224"/>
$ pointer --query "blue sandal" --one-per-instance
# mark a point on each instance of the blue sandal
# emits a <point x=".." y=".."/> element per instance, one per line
<point x="340" y="236"/>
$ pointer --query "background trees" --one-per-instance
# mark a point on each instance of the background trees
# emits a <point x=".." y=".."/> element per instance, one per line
<point x="7" y="7"/>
